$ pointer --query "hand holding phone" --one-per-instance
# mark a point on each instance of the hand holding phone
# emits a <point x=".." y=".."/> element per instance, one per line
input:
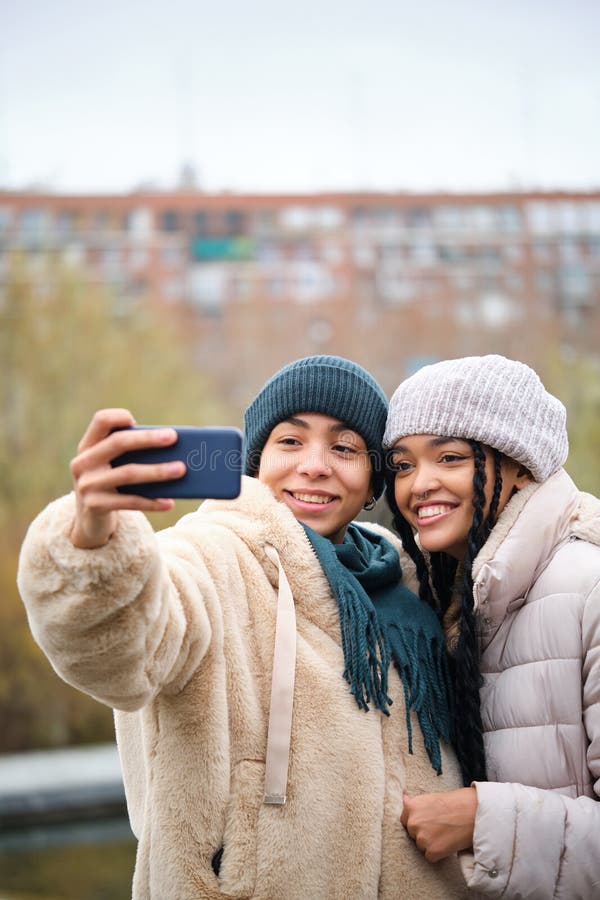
<point x="212" y="457"/>
<point x="102" y="488"/>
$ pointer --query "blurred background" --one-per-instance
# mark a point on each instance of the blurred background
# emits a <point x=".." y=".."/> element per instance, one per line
<point x="194" y="194"/>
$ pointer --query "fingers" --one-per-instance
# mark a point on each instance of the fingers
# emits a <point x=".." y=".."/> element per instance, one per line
<point x="91" y="469"/>
<point x="100" y="479"/>
<point x="442" y="823"/>
<point x="96" y="481"/>
<point x="101" y="443"/>
<point x="101" y="425"/>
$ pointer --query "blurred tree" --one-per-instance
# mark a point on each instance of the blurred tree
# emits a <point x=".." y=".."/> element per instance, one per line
<point x="575" y="380"/>
<point x="68" y="348"/>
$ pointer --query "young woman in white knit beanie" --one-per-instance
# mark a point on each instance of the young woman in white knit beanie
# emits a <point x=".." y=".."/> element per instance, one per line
<point x="508" y="553"/>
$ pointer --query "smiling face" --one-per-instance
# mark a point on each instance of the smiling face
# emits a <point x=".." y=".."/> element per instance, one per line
<point x="320" y="468"/>
<point x="433" y="488"/>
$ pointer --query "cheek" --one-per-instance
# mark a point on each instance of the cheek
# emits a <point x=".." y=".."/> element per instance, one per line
<point x="400" y="494"/>
<point x="268" y="468"/>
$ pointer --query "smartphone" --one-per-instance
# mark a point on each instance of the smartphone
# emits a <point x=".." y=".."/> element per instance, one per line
<point x="213" y="457"/>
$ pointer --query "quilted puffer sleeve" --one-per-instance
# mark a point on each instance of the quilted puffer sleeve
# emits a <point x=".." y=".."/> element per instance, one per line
<point x="536" y="843"/>
<point x="112" y="621"/>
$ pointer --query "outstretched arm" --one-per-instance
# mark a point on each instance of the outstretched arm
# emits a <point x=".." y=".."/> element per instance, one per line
<point x="114" y="618"/>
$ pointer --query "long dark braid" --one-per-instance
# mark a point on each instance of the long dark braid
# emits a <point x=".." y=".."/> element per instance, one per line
<point x="407" y="537"/>
<point x="435" y="586"/>
<point x="468" y="727"/>
<point x="491" y="516"/>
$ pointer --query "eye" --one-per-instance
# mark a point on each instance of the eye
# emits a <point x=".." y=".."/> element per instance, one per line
<point x="345" y="449"/>
<point x="399" y="465"/>
<point x="289" y="441"/>
<point x="452" y="458"/>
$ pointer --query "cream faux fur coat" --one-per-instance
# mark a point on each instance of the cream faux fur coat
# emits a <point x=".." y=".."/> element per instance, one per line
<point x="175" y="630"/>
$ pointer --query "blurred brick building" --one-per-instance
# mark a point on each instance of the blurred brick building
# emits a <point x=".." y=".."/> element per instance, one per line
<point x="391" y="280"/>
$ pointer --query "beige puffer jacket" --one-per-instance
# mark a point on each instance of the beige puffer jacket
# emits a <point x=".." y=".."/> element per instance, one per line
<point x="176" y="631"/>
<point x="537" y="593"/>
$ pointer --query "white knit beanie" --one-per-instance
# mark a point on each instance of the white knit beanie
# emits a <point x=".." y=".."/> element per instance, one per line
<point x="491" y="399"/>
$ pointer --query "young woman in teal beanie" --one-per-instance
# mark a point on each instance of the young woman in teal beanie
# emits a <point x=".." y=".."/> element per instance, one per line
<point x="508" y="553"/>
<point x="276" y="687"/>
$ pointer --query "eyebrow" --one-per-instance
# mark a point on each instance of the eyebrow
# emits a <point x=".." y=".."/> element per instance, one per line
<point x="434" y="442"/>
<point x="302" y="423"/>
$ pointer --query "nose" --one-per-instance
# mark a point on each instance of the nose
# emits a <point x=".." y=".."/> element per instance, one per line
<point x="313" y="463"/>
<point x="424" y="481"/>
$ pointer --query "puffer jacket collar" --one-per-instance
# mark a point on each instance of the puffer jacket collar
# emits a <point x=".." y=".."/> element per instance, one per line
<point x="536" y="522"/>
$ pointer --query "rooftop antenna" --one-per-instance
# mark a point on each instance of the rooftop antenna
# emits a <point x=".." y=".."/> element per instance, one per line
<point x="186" y="121"/>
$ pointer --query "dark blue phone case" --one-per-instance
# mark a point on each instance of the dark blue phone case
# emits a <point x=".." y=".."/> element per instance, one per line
<point x="213" y="457"/>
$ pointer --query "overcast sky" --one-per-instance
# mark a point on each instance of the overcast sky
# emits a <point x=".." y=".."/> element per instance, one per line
<point x="266" y="95"/>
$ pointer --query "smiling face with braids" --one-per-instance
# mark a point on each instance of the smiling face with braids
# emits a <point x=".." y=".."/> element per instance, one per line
<point x="450" y="491"/>
<point x="447" y="487"/>
<point x="462" y="436"/>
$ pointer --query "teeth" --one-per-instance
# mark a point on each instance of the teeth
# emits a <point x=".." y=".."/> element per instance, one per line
<point x="426" y="511"/>
<point x="312" y="498"/>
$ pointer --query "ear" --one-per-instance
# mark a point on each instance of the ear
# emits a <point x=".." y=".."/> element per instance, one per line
<point x="523" y="478"/>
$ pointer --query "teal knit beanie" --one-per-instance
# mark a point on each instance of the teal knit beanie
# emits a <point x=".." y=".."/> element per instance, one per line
<point x="329" y="385"/>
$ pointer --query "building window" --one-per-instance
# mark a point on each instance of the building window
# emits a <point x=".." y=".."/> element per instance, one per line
<point x="320" y="331"/>
<point x="364" y="256"/>
<point x="170" y="221"/>
<point x="496" y="310"/>
<point x="235" y="223"/>
<point x="296" y="218"/>
<point x="575" y="286"/>
<point x="393" y="287"/>
<point x="513" y="252"/>
<point x="541" y="217"/>
<point x="450" y="253"/>
<point x="424" y="253"/>
<point x="139" y="224"/>
<point x="544" y="282"/>
<point x="5" y="219"/>
<point x="543" y="251"/>
<point x="66" y="223"/>
<point x="265" y="223"/>
<point x="201" y="223"/>
<point x="419" y="217"/>
<point x="34" y="224"/>
<point x="570" y="217"/>
<point x="569" y="251"/>
<point x="449" y="218"/>
<point x="207" y="288"/>
<point x="483" y="218"/>
<point x="328" y="217"/>
<point x="593" y="217"/>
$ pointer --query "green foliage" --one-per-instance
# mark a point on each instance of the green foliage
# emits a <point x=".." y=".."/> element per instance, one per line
<point x="79" y="872"/>
<point x="68" y="348"/>
<point x="576" y="381"/>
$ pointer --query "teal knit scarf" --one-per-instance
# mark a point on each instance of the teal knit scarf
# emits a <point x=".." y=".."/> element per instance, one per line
<point x="380" y="620"/>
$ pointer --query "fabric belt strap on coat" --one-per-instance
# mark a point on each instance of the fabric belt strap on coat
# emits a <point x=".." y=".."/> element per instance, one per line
<point x="282" y="690"/>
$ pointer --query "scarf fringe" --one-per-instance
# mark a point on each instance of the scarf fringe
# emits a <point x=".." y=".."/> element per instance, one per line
<point x="366" y="653"/>
<point x="423" y="667"/>
<point x="381" y="620"/>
